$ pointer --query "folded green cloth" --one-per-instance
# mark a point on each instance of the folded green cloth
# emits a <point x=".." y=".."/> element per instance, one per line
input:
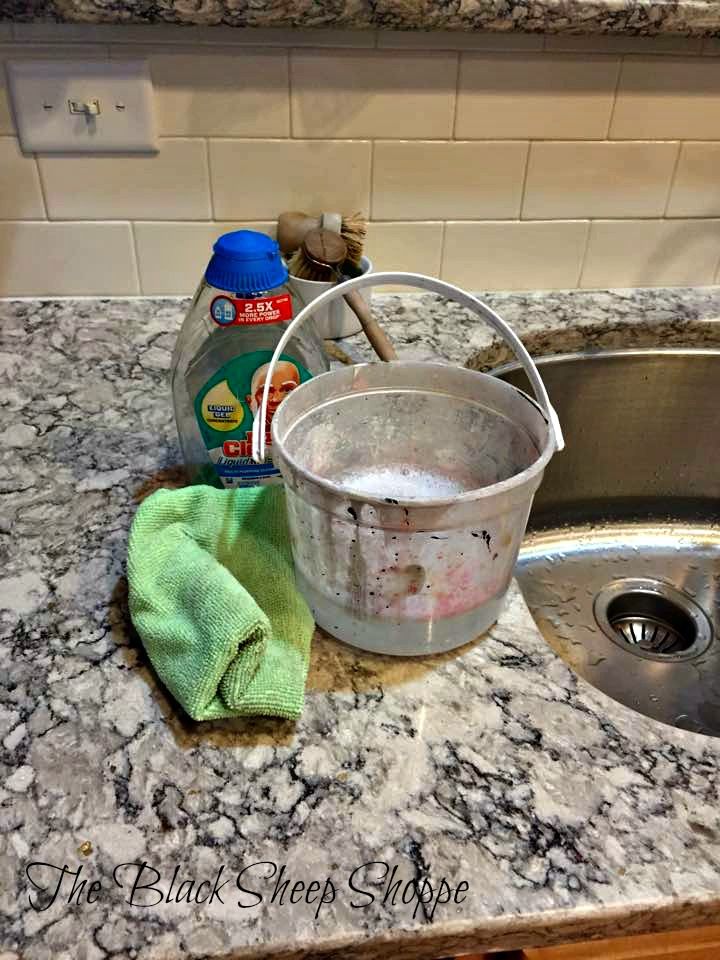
<point x="213" y="598"/>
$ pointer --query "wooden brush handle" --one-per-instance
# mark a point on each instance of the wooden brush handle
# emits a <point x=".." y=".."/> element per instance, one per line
<point x="379" y="340"/>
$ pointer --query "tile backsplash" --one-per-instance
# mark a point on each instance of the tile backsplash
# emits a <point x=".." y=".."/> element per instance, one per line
<point x="495" y="161"/>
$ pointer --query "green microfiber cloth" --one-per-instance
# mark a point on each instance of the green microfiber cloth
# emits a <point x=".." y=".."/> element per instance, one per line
<point x="213" y="597"/>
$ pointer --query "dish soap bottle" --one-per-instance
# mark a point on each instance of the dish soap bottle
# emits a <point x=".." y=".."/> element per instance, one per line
<point x="241" y="309"/>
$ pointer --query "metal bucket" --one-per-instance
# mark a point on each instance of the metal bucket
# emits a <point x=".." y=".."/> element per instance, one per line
<point x="408" y="488"/>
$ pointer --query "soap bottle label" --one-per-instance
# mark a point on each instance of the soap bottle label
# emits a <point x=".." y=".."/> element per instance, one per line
<point x="225" y="408"/>
<point x="235" y="312"/>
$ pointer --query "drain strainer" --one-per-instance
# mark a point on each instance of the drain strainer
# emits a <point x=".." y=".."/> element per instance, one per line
<point x="652" y="619"/>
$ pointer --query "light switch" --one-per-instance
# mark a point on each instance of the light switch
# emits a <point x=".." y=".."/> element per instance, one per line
<point x="83" y="106"/>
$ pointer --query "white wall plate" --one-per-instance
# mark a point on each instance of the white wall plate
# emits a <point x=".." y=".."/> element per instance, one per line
<point x="83" y="106"/>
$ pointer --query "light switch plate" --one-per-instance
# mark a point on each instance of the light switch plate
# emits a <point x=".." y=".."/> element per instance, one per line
<point x="83" y="106"/>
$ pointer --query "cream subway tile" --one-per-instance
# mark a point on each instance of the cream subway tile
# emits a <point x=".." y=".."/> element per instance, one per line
<point x="421" y="180"/>
<point x="20" y="51"/>
<point x="66" y="259"/>
<point x="514" y="255"/>
<point x="457" y="40"/>
<point x="258" y="179"/>
<point x="536" y="96"/>
<point x="677" y="98"/>
<point x="416" y="247"/>
<point x="569" y="180"/>
<point x="619" y="43"/>
<point x="172" y="256"/>
<point x="227" y="93"/>
<point x="629" y="253"/>
<point x="696" y="188"/>
<point x="20" y="194"/>
<point x="193" y="35"/>
<point x="373" y="94"/>
<point x="172" y="184"/>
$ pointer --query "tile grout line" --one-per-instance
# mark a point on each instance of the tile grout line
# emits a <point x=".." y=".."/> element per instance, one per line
<point x="380" y="221"/>
<point x="115" y="219"/>
<point x="43" y="191"/>
<point x="618" y="78"/>
<point x="526" y="172"/>
<point x="402" y="221"/>
<point x="495" y="138"/>
<point x="208" y="171"/>
<point x="443" y="234"/>
<point x="135" y="257"/>
<point x="673" y="176"/>
<point x="584" y="254"/>
<point x="288" y="63"/>
<point x="453" y="128"/>
<point x="371" y="182"/>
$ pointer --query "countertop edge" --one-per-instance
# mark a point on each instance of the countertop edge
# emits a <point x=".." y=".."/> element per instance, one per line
<point x="687" y="18"/>
<point x="511" y="932"/>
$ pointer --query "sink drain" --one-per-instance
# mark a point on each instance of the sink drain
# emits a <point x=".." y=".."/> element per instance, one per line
<point x="652" y="619"/>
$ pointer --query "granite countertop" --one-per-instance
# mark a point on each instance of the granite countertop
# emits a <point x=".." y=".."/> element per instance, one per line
<point x="631" y="17"/>
<point x="548" y="811"/>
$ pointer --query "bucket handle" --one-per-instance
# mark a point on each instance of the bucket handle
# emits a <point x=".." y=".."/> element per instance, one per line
<point x="426" y="283"/>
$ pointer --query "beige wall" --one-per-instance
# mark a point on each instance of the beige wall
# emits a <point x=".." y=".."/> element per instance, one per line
<point x="494" y="161"/>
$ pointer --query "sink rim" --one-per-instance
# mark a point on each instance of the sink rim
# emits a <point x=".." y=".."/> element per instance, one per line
<point x="615" y="352"/>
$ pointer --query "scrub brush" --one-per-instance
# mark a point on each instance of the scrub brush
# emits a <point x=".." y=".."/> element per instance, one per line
<point x="293" y="226"/>
<point x="321" y="257"/>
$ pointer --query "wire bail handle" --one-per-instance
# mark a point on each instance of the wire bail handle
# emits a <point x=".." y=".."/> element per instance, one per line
<point x="425" y="283"/>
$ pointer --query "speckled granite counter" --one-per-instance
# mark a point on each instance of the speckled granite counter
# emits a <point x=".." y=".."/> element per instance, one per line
<point x="631" y="17"/>
<point x="565" y="814"/>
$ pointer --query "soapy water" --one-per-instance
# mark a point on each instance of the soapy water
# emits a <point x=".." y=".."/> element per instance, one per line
<point x="402" y="482"/>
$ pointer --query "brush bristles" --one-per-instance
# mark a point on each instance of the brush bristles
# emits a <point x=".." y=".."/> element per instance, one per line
<point x="353" y="232"/>
<point x="304" y="269"/>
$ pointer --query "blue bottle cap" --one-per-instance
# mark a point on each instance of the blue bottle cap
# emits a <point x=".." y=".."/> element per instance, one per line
<point x="246" y="262"/>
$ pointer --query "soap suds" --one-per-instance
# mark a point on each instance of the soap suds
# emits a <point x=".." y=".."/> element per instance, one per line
<point x="402" y="483"/>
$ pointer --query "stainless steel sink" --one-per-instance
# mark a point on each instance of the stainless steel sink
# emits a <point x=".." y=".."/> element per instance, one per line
<point x="621" y="562"/>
